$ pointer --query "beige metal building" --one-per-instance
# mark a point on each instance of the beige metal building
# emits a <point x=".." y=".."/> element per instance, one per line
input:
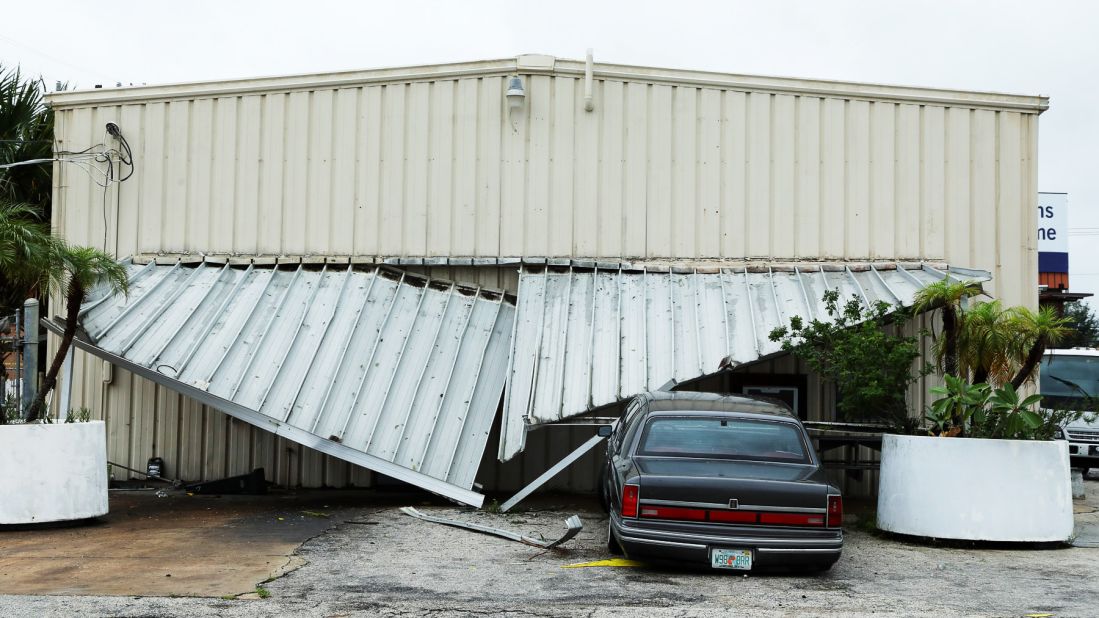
<point x="434" y="169"/>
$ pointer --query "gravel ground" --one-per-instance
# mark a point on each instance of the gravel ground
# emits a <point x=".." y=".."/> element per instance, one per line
<point x="390" y="564"/>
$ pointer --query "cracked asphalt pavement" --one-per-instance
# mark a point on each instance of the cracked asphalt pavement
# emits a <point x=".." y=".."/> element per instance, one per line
<point x="376" y="561"/>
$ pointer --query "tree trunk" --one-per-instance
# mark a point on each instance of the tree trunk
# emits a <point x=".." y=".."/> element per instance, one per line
<point x="73" y="300"/>
<point x="3" y="390"/>
<point x="950" y="341"/>
<point x="1033" y="357"/>
<point x="980" y="375"/>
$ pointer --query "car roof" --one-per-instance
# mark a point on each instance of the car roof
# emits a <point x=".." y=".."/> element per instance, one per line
<point x="659" y="401"/>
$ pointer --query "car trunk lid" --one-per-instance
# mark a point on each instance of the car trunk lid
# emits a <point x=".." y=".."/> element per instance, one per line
<point x="731" y="491"/>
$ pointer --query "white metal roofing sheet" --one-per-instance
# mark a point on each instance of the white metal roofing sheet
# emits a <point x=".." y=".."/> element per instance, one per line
<point x="588" y="337"/>
<point x="392" y="371"/>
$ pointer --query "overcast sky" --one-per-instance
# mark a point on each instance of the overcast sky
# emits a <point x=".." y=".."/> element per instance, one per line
<point x="1048" y="48"/>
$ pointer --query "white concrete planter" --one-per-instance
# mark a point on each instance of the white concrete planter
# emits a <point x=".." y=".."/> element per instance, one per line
<point x="52" y="472"/>
<point x="974" y="489"/>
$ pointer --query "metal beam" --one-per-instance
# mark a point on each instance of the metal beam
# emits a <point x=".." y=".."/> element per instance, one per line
<point x="138" y="276"/>
<point x="450" y="292"/>
<point x="473" y="387"/>
<point x="30" y="356"/>
<point x="266" y="330"/>
<point x="320" y="338"/>
<point x="698" y="322"/>
<point x="725" y="315"/>
<point x="131" y="306"/>
<point x="590" y="360"/>
<point x="190" y="314"/>
<point x="751" y="310"/>
<point x="373" y="352"/>
<point x="912" y="278"/>
<point x="858" y="286"/>
<point x="293" y="338"/>
<point x="210" y="326"/>
<point x="573" y="526"/>
<point x="896" y="298"/>
<point x="419" y="459"/>
<point x="369" y="443"/>
<point x="804" y="293"/>
<point x="927" y="268"/>
<point x="244" y="323"/>
<point x="343" y="352"/>
<point x="552" y="472"/>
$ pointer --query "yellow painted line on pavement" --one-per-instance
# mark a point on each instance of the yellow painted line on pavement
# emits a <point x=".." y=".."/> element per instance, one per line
<point x="613" y="562"/>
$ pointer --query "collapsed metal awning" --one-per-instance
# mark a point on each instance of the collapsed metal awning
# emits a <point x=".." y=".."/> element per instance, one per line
<point x="388" y="370"/>
<point x="587" y="337"/>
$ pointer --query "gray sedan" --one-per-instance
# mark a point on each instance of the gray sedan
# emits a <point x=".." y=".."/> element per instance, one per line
<point x="726" y="481"/>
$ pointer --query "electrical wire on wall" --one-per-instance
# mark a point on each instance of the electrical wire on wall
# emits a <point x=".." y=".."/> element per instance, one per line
<point x="103" y="164"/>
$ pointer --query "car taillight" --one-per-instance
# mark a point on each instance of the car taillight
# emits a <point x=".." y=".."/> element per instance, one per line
<point x="671" y="512"/>
<point x="835" y="511"/>
<point x="629" y="500"/>
<point x="791" y="519"/>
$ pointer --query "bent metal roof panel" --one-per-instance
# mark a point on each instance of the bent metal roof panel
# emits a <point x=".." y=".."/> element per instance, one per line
<point x="388" y="370"/>
<point x="588" y="337"/>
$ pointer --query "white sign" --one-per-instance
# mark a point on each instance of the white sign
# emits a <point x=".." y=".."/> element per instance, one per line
<point x="1053" y="222"/>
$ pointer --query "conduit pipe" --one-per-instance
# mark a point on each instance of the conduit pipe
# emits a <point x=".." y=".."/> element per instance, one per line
<point x="589" y="105"/>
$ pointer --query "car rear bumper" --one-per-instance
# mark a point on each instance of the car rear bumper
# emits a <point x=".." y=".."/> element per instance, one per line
<point x="692" y="543"/>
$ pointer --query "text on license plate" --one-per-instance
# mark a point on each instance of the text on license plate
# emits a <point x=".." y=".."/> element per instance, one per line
<point x="731" y="559"/>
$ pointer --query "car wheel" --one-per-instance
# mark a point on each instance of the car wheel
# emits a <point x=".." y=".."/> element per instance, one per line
<point x="612" y="543"/>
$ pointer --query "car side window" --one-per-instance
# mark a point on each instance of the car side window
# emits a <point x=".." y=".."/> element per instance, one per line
<point x="629" y="428"/>
<point x="624" y="425"/>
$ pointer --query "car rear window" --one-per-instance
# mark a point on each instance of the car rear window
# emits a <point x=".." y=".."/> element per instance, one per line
<point x="723" y="438"/>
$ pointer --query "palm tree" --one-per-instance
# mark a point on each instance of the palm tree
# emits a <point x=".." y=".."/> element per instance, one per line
<point x="986" y="344"/>
<point x="26" y="252"/>
<point x="947" y="295"/>
<point x="1036" y="331"/>
<point x="75" y="271"/>
<point x="26" y="133"/>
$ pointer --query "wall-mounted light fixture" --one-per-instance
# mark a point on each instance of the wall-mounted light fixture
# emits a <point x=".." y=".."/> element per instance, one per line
<point x="515" y="94"/>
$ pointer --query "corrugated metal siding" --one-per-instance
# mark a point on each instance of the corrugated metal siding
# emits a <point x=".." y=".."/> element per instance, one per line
<point x="403" y="369"/>
<point x="427" y="162"/>
<point x="438" y="167"/>
<point x="585" y="338"/>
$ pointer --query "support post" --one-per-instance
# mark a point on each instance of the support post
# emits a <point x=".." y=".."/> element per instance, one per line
<point x="30" y="353"/>
<point x="552" y="472"/>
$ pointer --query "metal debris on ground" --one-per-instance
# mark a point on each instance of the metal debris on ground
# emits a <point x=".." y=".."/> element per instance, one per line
<point x="573" y="526"/>
<point x="253" y="483"/>
<point x="611" y="562"/>
<point x="174" y="482"/>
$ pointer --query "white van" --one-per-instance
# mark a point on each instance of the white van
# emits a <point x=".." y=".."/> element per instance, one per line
<point x="1069" y="378"/>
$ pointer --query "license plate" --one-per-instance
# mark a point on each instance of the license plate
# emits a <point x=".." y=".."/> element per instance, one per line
<point x="740" y="559"/>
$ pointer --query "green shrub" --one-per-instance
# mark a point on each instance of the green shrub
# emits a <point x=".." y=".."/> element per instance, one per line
<point x="862" y="351"/>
